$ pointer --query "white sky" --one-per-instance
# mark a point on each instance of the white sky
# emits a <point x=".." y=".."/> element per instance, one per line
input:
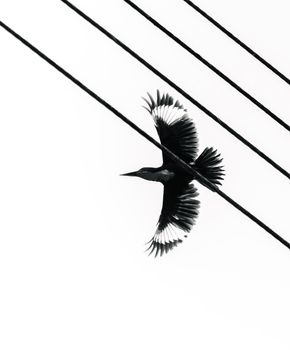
<point x="73" y="270"/>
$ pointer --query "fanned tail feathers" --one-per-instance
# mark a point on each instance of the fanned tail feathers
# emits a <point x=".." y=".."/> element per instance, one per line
<point x="208" y="165"/>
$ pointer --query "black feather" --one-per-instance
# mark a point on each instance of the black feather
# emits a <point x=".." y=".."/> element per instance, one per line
<point x="178" y="135"/>
<point x="208" y="164"/>
<point x="179" y="211"/>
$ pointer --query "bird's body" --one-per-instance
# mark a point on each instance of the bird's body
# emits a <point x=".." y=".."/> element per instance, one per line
<point x="180" y="207"/>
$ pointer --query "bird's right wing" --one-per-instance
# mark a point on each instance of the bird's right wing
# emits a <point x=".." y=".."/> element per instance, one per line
<point x="178" y="214"/>
<point x="176" y="130"/>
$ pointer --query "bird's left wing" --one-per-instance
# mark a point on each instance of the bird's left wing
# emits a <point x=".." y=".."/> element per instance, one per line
<point x="176" y="130"/>
<point x="178" y="214"/>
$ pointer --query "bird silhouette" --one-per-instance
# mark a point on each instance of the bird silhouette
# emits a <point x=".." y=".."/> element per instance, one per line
<point x="180" y="206"/>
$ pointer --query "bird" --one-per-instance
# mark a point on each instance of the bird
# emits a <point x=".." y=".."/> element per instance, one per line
<point x="180" y="206"/>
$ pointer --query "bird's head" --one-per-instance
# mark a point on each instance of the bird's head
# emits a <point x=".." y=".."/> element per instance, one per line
<point x="144" y="173"/>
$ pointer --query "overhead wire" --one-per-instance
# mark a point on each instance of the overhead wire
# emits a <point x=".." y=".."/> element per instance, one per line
<point x="170" y="154"/>
<point x="238" y="41"/>
<point x="209" y="65"/>
<point x="178" y="89"/>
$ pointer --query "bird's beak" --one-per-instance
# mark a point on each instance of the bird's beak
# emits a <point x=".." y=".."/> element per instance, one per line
<point x="133" y="173"/>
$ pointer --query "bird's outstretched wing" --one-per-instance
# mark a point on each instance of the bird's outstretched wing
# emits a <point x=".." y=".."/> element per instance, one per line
<point x="178" y="214"/>
<point x="176" y="130"/>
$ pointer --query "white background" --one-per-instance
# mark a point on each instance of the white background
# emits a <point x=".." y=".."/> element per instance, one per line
<point x="73" y="271"/>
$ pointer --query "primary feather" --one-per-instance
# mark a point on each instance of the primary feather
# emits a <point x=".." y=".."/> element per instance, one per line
<point x="178" y="214"/>
<point x="175" y="129"/>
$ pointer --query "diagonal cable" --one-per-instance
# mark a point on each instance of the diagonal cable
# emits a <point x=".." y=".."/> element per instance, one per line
<point x="179" y="89"/>
<point x="170" y="154"/>
<point x="209" y="65"/>
<point x="238" y="41"/>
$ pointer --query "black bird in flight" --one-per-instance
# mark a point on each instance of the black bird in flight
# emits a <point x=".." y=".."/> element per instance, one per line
<point x="180" y="207"/>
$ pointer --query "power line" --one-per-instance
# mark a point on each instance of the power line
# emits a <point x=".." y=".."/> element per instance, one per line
<point x="238" y="41"/>
<point x="209" y="65"/>
<point x="179" y="89"/>
<point x="170" y="154"/>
